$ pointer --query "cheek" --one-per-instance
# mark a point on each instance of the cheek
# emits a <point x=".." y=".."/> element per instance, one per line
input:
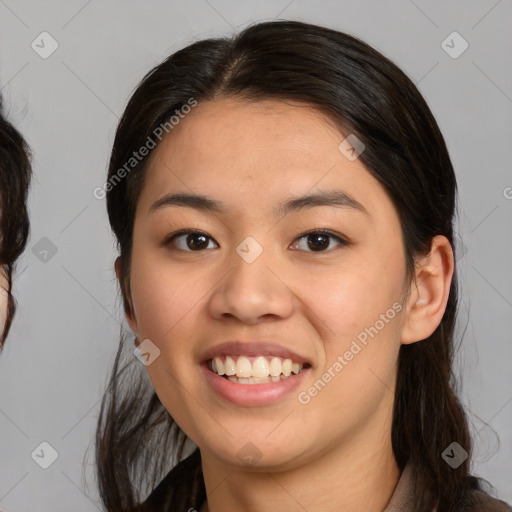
<point x="161" y="297"/>
<point x="359" y="311"/>
<point x="3" y="308"/>
<point x="357" y="373"/>
<point x="352" y="298"/>
<point x="163" y="302"/>
<point x="4" y="298"/>
<point x="167" y="302"/>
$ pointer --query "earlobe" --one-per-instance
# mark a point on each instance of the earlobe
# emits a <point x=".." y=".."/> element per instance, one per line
<point x="429" y="292"/>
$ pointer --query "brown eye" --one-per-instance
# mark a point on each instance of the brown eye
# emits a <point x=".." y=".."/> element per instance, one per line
<point x="195" y="241"/>
<point x="319" y="241"/>
<point x="191" y="241"/>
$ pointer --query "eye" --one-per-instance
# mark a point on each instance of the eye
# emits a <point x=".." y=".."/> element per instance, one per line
<point x="194" y="241"/>
<point x="318" y="240"/>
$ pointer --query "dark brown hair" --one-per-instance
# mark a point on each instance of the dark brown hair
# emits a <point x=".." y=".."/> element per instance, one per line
<point x="365" y="94"/>
<point x="15" y="174"/>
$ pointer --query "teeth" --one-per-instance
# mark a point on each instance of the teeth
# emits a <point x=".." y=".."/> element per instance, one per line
<point x="243" y="372"/>
<point x="260" y="367"/>
<point x="275" y="367"/>
<point x="229" y="366"/>
<point x="255" y="380"/>
<point x="243" y="367"/>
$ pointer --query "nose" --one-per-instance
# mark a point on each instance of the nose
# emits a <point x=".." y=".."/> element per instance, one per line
<point x="253" y="288"/>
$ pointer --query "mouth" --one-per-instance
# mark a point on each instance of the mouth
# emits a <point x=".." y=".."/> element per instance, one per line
<point x="255" y="381"/>
<point x="260" y="369"/>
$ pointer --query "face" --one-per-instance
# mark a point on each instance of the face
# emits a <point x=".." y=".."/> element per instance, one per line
<point x="329" y="300"/>
<point x="4" y="286"/>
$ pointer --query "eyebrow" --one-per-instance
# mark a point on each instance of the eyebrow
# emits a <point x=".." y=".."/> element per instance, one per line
<point x="336" y="198"/>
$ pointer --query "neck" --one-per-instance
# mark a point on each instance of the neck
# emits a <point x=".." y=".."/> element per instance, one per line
<point x="360" y="476"/>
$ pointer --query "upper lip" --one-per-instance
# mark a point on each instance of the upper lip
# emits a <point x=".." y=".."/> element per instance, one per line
<point x="252" y="349"/>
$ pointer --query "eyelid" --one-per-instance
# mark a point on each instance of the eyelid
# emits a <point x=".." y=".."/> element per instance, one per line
<point x="181" y="232"/>
<point x="320" y="231"/>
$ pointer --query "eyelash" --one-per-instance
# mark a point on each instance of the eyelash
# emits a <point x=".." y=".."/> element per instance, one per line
<point x="342" y="241"/>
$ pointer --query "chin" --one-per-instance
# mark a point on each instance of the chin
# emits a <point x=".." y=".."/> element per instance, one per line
<point x="255" y="454"/>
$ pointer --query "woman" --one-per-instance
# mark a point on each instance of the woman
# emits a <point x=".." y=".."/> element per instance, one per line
<point x="15" y="173"/>
<point x="283" y="202"/>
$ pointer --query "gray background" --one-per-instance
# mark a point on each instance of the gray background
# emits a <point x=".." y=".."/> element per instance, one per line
<point x="54" y="367"/>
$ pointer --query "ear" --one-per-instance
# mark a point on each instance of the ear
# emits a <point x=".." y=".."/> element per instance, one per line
<point x="124" y="284"/>
<point x="428" y="296"/>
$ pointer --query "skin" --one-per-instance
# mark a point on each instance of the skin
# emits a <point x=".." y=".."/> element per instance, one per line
<point x="4" y="285"/>
<point x="333" y="454"/>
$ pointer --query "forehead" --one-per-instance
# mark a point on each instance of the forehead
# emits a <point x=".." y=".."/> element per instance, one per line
<point x="253" y="131"/>
<point x="249" y="153"/>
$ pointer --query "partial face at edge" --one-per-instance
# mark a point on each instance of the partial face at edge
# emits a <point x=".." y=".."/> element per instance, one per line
<point x="4" y="298"/>
<point x="252" y="157"/>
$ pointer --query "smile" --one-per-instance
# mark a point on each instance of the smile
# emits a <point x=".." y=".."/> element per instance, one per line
<point x="263" y="380"/>
<point x="254" y="370"/>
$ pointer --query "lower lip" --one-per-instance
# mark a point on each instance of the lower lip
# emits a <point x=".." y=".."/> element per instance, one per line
<point x="252" y="395"/>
